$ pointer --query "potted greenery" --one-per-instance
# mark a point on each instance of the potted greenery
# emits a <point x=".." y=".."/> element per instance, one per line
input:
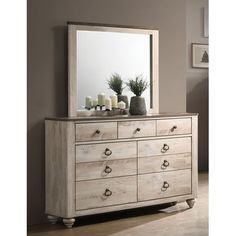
<point x="137" y="103"/>
<point x="116" y="84"/>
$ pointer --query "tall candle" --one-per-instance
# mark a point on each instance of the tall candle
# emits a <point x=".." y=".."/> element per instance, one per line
<point x="121" y="105"/>
<point x="101" y="99"/>
<point x="113" y="101"/>
<point x="108" y="104"/>
<point x="88" y="102"/>
<point x="95" y="102"/>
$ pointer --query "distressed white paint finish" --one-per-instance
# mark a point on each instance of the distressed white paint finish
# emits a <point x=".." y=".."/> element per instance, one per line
<point x="164" y="163"/>
<point x="151" y="186"/>
<point x="106" y="169"/>
<point x="100" y="152"/>
<point x="96" y="131"/>
<point x="160" y="146"/>
<point x="173" y="126"/>
<point x="59" y="163"/>
<point x="134" y="129"/>
<point x="91" y="194"/>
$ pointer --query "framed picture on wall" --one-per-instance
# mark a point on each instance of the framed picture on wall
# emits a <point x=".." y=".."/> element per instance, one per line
<point x="200" y="55"/>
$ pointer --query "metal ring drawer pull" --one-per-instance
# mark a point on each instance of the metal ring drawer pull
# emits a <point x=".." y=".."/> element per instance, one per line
<point x="108" y="152"/>
<point x="97" y="131"/>
<point x="107" y="193"/>
<point x="165" y="148"/>
<point x="166" y="185"/>
<point x="173" y="128"/>
<point x="108" y="169"/>
<point x="166" y="163"/>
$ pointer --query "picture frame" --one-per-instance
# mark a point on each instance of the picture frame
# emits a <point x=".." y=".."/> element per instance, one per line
<point x="200" y="55"/>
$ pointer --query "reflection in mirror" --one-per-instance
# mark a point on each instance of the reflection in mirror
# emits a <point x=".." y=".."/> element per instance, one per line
<point x="101" y="54"/>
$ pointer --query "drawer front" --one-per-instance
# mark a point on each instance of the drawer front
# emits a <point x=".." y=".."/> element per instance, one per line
<point x="105" y="169"/>
<point x="134" y="129"/>
<point x="96" y="131"/>
<point x="174" y="126"/>
<point x="164" y="163"/>
<point x="105" y="151"/>
<point x="164" y="146"/>
<point x="105" y="192"/>
<point x="162" y="185"/>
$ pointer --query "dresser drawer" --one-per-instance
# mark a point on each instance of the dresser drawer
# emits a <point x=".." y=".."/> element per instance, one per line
<point x="105" y="192"/>
<point x="162" y="185"/>
<point x="173" y="126"/>
<point x="96" y="131"/>
<point x="106" y="169"/>
<point x="164" y="163"/>
<point x="134" y="129"/>
<point x="105" y="151"/>
<point x="164" y="146"/>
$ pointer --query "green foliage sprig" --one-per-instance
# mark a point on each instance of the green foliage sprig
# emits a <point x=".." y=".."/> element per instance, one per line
<point x="116" y="83"/>
<point x="137" y="85"/>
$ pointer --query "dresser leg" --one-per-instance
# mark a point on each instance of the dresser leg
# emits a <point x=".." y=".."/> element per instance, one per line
<point x="191" y="202"/>
<point x="52" y="219"/>
<point x="68" y="222"/>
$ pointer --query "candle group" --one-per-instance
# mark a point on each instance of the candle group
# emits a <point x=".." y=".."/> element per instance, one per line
<point x="101" y="100"/>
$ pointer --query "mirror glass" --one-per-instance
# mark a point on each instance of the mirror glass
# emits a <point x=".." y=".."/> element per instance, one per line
<point x="101" y="54"/>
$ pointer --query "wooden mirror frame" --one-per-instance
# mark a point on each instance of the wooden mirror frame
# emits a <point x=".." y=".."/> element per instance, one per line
<point x="73" y="27"/>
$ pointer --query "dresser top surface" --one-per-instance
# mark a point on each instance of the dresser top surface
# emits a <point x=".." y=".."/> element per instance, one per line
<point x="122" y="117"/>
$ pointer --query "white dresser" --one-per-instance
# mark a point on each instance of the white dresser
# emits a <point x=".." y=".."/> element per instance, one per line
<point x="97" y="165"/>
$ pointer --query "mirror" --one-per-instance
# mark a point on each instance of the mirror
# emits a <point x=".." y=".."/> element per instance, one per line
<point x="98" y="52"/>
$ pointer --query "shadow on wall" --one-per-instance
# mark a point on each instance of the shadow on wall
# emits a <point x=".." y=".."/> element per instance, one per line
<point x="197" y="101"/>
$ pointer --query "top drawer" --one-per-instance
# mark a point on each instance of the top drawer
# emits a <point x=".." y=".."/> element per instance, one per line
<point x="96" y="131"/>
<point x="135" y="129"/>
<point x="174" y="126"/>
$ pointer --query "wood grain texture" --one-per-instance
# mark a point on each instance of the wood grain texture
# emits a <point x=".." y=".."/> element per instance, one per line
<point x="195" y="156"/>
<point x="90" y="194"/>
<point x="100" y="169"/>
<point x="156" y="147"/>
<point x="59" y="166"/>
<point x="88" y="132"/>
<point x="128" y="129"/>
<point x="151" y="186"/>
<point x="173" y="126"/>
<point x="164" y="163"/>
<point x="96" y="152"/>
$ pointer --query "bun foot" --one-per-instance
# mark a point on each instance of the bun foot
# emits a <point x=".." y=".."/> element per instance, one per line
<point x="52" y="219"/>
<point x="190" y="202"/>
<point x="69" y="222"/>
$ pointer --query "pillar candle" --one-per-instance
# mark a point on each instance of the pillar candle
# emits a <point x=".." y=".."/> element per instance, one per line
<point x="121" y="105"/>
<point x="95" y="102"/>
<point x="113" y="101"/>
<point x="101" y="99"/>
<point x="108" y="104"/>
<point x="88" y="102"/>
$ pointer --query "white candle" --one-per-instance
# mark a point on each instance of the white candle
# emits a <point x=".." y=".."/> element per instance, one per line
<point x="88" y="102"/>
<point x="108" y="104"/>
<point x="121" y="105"/>
<point x="95" y="102"/>
<point x="101" y="99"/>
<point x="113" y="101"/>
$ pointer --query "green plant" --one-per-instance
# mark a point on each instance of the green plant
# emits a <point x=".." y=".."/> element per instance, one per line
<point x="116" y="83"/>
<point x="137" y="85"/>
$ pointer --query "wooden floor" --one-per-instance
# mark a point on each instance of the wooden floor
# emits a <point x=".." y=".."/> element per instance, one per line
<point x="176" y="220"/>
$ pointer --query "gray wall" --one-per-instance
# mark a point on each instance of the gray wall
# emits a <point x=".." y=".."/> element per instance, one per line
<point x="197" y="79"/>
<point x="47" y="65"/>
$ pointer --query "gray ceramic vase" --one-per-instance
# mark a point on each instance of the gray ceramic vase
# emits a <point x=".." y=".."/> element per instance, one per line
<point x="137" y="106"/>
<point x="124" y="99"/>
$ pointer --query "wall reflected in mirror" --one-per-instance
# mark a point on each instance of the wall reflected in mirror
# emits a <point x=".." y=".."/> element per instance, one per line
<point x="101" y="54"/>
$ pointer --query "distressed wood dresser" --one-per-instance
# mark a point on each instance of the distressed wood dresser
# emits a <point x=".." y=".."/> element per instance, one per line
<point x="96" y="165"/>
